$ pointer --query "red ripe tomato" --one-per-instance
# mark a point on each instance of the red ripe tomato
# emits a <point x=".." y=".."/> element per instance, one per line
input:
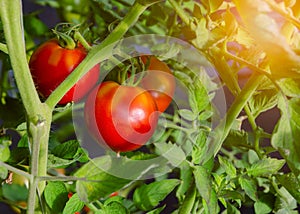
<point x="121" y="117"/>
<point x="159" y="81"/>
<point x="50" y="64"/>
<point x="113" y="194"/>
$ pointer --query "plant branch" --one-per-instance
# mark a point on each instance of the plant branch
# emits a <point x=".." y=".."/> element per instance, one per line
<point x="98" y="53"/>
<point x="3" y="48"/>
<point x="60" y="178"/>
<point x="16" y="170"/>
<point x="180" y="12"/>
<point x="285" y="14"/>
<point x="222" y="130"/>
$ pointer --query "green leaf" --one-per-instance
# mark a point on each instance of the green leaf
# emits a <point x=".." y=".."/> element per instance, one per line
<point x="237" y="138"/>
<point x="249" y="186"/>
<point x="231" y="24"/>
<point x="52" y="3"/>
<point x="205" y="188"/>
<point x="265" y="167"/>
<point x="99" y="180"/>
<point x="65" y="154"/>
<point x="286" y="135"/>
<point x="15" y="192"/>
<point x="24" y="141"/>
<point x="12" y="112"/>
<point x="56" y="196"/>
<point x="231" y="195"/>
<point x="157" y="210"/>
<point x="172" y="152"/>
<point x="264" y="204"/>
<point x="5" y="142"/>
<point x="231" y="209"/>
<point x="198" y="152"/>
<point x="116" y="198"/>
<point x="187" y="114"/>
<point x="291" y="183"/>
<point x="115" y="207"/>
<point x="56" y="162"/>
<point x="3" y="173"/>
<point x="228" y="167"/>
<point x="146" y="197"/>
<point x="285" y="203"/>
<point x="83" y="155"/>
<point x="158" y="13"/>
<point x="19" y="155"/>
<point x="262" y="101"/>
<point x="290" y="87"/>
<point x="73" y="205"/>
<point x="186" y="178"/>
<point x="34" y="25"/>
<point x="252" y="157"/>
<point x="212" y="5"/>
<point x="66" y="150"/>
<point x="198" y="97"/>
<point x="189" y="201"/>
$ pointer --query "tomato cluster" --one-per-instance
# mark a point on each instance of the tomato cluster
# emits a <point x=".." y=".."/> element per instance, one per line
<point x="124" y="117"/>
<point x="121" y="117"/>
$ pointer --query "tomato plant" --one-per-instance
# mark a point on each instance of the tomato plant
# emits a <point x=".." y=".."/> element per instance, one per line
<point x="228" y="69"/>
<point x="51" y="63"/>
<point x="121" y="117"/>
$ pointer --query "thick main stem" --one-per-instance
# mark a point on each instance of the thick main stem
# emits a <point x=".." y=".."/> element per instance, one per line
<point x="38" y="114"/>
<point x="13" y="28"/>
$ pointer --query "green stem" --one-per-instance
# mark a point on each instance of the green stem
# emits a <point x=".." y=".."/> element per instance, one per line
<point x="92" y="207"/>
<point x="222" y="130"/>
<point x="65" y="40"/>
<point x="3" y="48"/>
<point x="98" y="53"/>
<point x="189" y="200"/>
<point x="38" y="114"/>
<point x="82" y="40"/>
<point x="39" y="129"/>
<point x="237" y="90"/>
<point x="180" y="12"/>
<point x="284" y="13"/>
<point x="11" y="15"/>
<point x="16" y="170"/>
<point x="60" y="178"/>
<point x="288" y="28"/>
<point x="256" y="131"/>
<point x="277" y="190"/>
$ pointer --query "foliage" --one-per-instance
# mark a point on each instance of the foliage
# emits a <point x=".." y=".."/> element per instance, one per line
<point x="201" y="159"/>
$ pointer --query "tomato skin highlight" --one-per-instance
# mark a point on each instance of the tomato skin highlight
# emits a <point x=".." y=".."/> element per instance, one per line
<point x="121" y="117"/>
<point x="50" y="64"/>
<point x="159" y="81"/>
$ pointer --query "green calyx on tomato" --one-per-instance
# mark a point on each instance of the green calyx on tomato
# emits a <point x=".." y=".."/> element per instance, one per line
<point x="121" y="117"/>
<point x="50" y="64"/>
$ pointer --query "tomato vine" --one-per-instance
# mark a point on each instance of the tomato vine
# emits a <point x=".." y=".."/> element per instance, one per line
<point x="205" y="155"/>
